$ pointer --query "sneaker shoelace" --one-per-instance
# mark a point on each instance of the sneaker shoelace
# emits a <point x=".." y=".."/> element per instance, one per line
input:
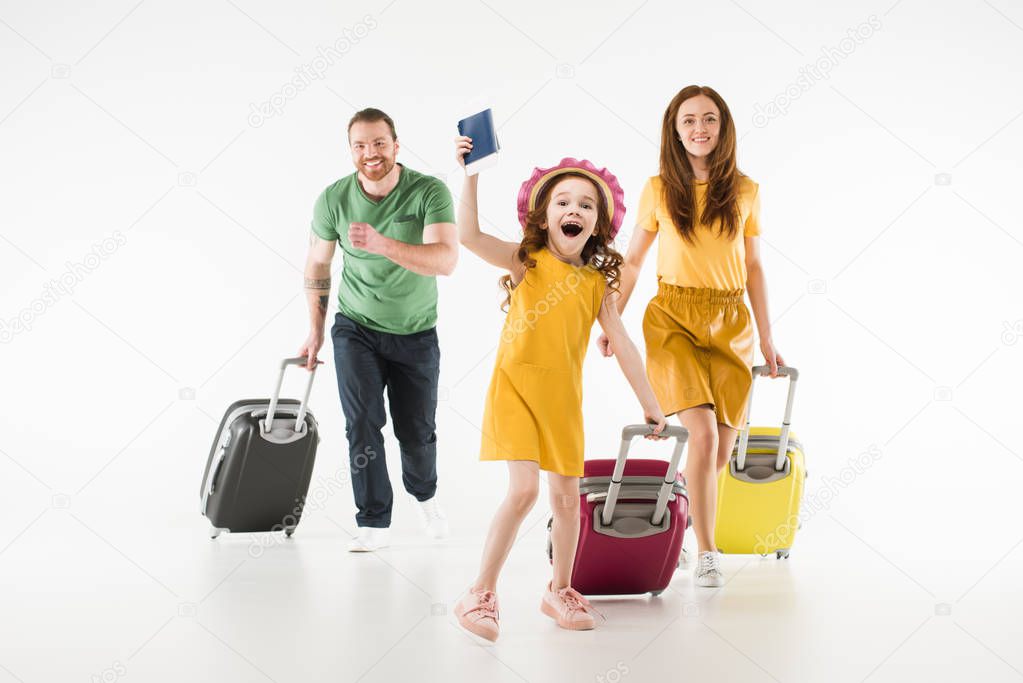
<point x="486" y="605"/>
<point x="709" y="563"/>
<point x="575" y="602"/>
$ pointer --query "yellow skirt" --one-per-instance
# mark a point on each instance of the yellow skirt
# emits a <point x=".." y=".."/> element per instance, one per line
<point x="699" y="350"/>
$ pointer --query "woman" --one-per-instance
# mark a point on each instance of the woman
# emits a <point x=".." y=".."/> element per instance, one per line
<point x="699" y="338"/>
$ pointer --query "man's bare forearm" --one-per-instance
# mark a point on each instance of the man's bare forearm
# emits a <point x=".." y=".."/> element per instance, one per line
<point x="437" y="258"/>
<point x="317" y="280"/>
<point x="317" y="288"/>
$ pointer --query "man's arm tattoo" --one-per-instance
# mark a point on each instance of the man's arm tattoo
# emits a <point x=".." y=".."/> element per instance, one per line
<point x="324" y="301"/>
<point x="317" y="284"/>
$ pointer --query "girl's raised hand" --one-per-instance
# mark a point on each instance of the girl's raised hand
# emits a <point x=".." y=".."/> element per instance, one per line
<point x="657" y="419"/>
<point x="463" y="145"/>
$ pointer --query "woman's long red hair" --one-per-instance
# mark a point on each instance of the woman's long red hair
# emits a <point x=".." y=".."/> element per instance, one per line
<point x="678" y="179"/>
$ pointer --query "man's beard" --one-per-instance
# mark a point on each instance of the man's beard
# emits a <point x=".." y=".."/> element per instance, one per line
<point x="378" y="172"/>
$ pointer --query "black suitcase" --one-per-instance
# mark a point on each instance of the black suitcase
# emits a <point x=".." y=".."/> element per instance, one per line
<point x="258" y="471"/>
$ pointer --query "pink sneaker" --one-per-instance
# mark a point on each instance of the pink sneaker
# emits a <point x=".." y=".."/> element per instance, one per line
<point x="477" y="613"/>
<point x="567" y="607"/>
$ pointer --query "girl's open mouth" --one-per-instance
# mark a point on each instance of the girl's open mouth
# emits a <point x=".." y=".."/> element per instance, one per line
<point x="571" y="229"/>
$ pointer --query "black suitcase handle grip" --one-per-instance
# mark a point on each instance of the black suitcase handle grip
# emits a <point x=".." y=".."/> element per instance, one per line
<point x="268" y="423"/>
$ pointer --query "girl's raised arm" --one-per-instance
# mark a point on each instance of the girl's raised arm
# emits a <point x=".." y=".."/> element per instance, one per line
<point x="639" y="245"/>
<point x="493" y="250"/>
<point x="630" y="362"/>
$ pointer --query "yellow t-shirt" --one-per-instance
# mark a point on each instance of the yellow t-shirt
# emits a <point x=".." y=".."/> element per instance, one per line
<point x="712" y="260"/>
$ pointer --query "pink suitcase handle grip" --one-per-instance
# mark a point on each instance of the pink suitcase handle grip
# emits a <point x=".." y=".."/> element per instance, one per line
<point x="681" y="435"/>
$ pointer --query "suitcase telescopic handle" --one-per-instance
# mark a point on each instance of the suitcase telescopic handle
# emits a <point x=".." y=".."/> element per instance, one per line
<point x="783" y="439"/>
<point x="681" y="434"/>
<point x="268" y="423"/>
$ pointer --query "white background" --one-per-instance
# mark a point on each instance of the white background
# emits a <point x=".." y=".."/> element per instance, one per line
<point x="891" y="242"/>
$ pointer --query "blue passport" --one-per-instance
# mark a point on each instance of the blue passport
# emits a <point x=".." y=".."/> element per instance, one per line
<point x="480" y="127"/>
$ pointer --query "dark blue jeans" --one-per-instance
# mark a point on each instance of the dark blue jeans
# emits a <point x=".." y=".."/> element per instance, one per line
<point x="408" y="366"/>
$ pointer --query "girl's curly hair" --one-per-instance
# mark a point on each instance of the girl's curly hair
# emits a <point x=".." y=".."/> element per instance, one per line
<point x="598" y="252"/>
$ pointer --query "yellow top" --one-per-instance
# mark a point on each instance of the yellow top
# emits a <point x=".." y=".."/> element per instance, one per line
<point x="711" y="260"/>
<point x="533" y="409"/>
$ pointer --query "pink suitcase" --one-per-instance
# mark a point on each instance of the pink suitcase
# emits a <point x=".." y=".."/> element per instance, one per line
<point x="634" y="514"/>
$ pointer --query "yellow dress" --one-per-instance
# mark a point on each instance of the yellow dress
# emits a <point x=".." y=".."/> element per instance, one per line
<point x="534" y="408"/>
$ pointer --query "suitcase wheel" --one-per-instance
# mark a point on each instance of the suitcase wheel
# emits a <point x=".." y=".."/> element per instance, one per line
<point x="654" y="594"/>
<point x="288" y="531"/>
<point x="214" y="532"/>
<point x="782" y="554"/>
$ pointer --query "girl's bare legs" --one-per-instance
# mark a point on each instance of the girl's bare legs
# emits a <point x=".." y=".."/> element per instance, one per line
<point x="564" y="498"/>
<point x="560" y="601"/>
<point x="523" y="488"/>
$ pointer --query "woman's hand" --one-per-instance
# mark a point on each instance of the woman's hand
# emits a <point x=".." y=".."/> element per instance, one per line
<point x="771" y="356"/>
<point x="604" y="344"/>
<point x="463" y="145"/>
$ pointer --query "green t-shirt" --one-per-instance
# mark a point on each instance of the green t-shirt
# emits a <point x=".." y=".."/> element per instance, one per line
<point x="375" y="291"/>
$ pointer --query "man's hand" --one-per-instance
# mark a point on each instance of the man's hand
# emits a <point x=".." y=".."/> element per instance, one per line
<point x="310" y="348"/>
<point x="364" y="236"/>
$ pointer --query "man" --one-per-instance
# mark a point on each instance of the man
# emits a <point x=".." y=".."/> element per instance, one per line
<point x="397" y="233"/>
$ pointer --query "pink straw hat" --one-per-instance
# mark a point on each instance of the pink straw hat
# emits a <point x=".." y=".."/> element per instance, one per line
<point x="604" y="179"/>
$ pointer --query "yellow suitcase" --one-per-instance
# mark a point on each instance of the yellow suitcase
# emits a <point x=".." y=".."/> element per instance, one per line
<point x="760" y="491"/>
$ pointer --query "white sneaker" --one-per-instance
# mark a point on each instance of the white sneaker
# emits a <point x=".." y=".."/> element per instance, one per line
<point x="708" y="571"/>
<point x="369" y="539"/>
<point x="432" y="517"/>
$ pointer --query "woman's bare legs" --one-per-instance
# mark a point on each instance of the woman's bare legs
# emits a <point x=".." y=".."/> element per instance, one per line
<point x="701" y="471"/>
<point x="726" y="444"/>
<point x="523" y="488"/>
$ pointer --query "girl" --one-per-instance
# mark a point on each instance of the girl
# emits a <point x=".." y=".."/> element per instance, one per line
<point x="697" y="328"/>
<point x="558" y="281"/>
